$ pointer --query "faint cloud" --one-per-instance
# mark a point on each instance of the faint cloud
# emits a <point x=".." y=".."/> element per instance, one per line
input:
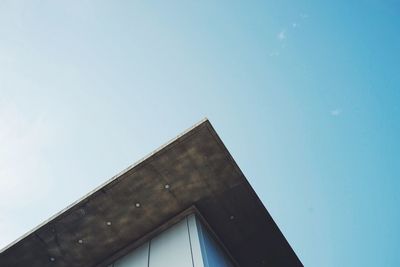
<point x="281" y="35"/>
<point x="336" y="112"/>
<point x="304" y="16"/>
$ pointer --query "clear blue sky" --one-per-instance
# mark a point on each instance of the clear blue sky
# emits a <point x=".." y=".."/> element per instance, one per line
<point x="305" y="95"/>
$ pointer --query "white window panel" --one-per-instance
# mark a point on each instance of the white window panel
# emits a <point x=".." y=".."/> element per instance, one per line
<point x="137" y="258"/>
<point x="172" y="247"/>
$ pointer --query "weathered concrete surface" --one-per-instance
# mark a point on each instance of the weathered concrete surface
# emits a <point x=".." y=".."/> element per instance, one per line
<point x="199" y="171"/>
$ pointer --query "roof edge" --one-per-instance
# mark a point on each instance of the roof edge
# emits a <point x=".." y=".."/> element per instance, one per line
<point x="109" y="181"/>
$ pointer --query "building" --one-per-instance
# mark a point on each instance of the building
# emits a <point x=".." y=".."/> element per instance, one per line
<point x="185" y="205"/>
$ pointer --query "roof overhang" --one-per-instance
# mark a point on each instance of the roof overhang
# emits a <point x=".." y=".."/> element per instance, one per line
<point x="193" y="172"/>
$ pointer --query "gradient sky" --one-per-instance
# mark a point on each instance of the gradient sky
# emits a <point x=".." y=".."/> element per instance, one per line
<point x="305" y="95"/>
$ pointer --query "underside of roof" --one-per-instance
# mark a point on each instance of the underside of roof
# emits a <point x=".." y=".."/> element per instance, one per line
<point x="194" y="171"/>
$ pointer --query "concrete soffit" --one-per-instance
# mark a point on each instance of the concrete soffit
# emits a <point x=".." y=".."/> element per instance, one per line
<point x="193" y="173"/>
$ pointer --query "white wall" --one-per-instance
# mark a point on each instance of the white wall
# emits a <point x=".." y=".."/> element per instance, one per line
<point x="172" y="247"/>
<point x="137" y="258"/>
<point x="185" y="244"/>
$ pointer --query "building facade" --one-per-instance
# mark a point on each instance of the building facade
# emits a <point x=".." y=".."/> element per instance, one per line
<point x="187" y="243"/>
<point x="187" y="204"/>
